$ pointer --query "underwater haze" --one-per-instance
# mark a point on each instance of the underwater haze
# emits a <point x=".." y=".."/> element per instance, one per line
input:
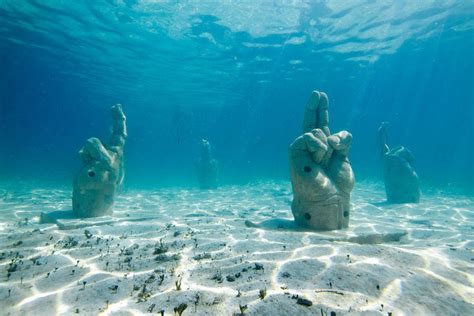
<point x="249" y="227"/>
<point x="239" y="74"/>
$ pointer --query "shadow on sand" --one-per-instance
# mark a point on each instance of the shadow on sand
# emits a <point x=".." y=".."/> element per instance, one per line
<point x="370" y="238"/>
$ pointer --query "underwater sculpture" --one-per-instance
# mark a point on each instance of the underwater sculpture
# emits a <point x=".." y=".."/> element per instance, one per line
<point x="321" y="175"/>
<point x="401" y="181"/>
<point x="207" y="167"/>
<point x="102" y="171"/>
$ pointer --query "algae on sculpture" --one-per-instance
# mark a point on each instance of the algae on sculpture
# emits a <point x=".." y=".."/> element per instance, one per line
<point x="401" y="180"/>
<point x="102" y="171"/>
<point x="321" y="175"/>
<point x="207" y="167"/>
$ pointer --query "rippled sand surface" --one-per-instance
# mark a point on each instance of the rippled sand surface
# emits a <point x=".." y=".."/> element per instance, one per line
<point x="216" y="251"/>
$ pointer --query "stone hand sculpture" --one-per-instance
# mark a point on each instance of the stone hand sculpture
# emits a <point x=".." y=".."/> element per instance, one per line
<point x="321" y="175"/>
<point x="401" y="180"/>
<point x="207" y="167"/>
<point x="102" y="171"/>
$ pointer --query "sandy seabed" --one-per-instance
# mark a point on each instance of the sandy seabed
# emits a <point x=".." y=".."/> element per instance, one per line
<point x="233" y="250"/>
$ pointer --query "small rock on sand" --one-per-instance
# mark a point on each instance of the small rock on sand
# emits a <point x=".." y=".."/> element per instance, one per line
<point x="303" y="301"/>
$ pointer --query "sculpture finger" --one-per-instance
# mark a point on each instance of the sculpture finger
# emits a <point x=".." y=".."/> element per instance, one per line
<point x="308" y="177"/>
<point x="310" y="119"/>
<point x="340" y="172"/>
<point x="323" y="114"/>
<point x="117" y="112"/>
<point x="404" y="153"/>
<point x="205" y="150"/>
<point x="119" y="127"/>
<point x="94" y="150"/>
<point x="382" y="138"/>
<point x="339" y="168"/>
<point x="316" y="144"/>
<point x="341" y="142"/>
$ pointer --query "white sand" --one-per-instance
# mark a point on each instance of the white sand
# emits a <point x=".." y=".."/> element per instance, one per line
<point x="372" y="268"/>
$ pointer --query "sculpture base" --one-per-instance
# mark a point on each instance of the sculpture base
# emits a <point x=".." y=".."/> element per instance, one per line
<point x="92" y="203"/>
<point x="402" y="190"/>
<point x="331" y="214"/>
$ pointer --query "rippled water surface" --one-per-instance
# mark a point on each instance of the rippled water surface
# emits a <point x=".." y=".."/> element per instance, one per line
<point x="100" y="41"/>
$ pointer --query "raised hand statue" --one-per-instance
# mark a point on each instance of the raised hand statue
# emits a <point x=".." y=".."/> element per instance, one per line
<point x="401" y="181"/>
<point x="321" y="175"/>
<point x="207" y="167"/>
<point x="102" y="171"/>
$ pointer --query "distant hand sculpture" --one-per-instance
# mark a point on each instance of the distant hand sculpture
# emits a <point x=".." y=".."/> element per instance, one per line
<point x="321" y="174"/>
<point x="401" y="180"/>
<point x="102" y="171"/>
<point x="207" y="167"/>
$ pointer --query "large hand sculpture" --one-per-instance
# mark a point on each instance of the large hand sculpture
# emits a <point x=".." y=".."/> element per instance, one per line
<point x="401" y="180"/>
<point x="207" y="167"/>
<point x="321" y="174"/>
<point x="102" y="171"/>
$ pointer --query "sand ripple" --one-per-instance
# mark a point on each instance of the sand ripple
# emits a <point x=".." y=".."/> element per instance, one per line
<point x="404" y="259"/>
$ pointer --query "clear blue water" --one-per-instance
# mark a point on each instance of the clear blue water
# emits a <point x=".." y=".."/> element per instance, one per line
<point x="239" y="74"/>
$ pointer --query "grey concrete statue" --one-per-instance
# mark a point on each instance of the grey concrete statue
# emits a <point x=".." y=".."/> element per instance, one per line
<point x="102" y="171"/>
<point x="321" y="175"/>
<point x="401" y="181"/>
<point x="207" y="167"/>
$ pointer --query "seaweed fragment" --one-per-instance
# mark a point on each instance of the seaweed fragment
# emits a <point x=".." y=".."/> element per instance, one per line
<point x="150" y="309"/>
<point x="218" y="277"/>
<point x="177" y="283"/>
<point x="162" y="278"/>
<point x="88" y="234"/>
<point x="144" y="295"/>
<point x="69" y="242"/>
<point x="113" y="289"/>
<point x="259" y="266"/>
<point x="242" y="309"/>
<point x="196" y="301"/>
<point x="285" y="274"/>
<point x="150" y="279"/>
<point x="329" y="291"/>
<point x="180" y="309"/>
<point x="166" y="258"/>
<point x="303" y="301"/>
<point x="160" y="248"/>
<point x="202" y="256"/>
<point x="12" y="267"/>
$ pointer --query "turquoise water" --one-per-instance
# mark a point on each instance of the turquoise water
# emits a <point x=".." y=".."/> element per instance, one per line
<point x="239" y="74"/>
